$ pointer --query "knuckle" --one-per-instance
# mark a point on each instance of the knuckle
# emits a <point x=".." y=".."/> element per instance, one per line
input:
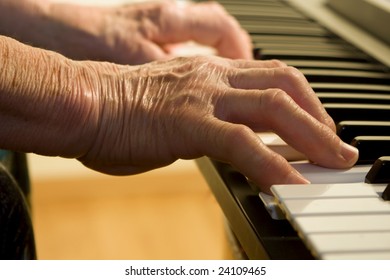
<point x="235" y="136"/>
<point x="277" y="63"/>
<point x="292" y="73"/>
<point x="275" y="102"/>
<point x="210" y="66"/>
<point x="202" y="60"/>
<point x="185" y="65"/>
<point x="274" y="98"/>
<point x="293" y="80"/>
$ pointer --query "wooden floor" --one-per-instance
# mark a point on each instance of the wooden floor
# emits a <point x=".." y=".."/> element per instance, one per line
<point x="164" y="214"/>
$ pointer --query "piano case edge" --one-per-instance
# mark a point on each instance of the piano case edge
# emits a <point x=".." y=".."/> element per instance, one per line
<point x="260" y="236"/>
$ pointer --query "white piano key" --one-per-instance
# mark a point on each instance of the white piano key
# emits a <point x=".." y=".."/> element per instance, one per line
<point x="321" y="175"/>
<point x="276" y="144"/>
<point x="283" y="192"/>
<point x="342" y="223"/>
<point x="378" y="255"/>
<point x="342" y="206"/>
<point x="348" y="242"/>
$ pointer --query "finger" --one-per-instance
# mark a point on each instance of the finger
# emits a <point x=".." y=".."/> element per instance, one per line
<point x="257" y="64"/>
<point x="205" y="23"/>
<point x="276" y="111"/>
<point x="291" y="81"/>
<point x="241" y="147"/>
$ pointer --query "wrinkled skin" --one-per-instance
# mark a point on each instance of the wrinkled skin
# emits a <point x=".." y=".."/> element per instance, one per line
<point x="152" y="115"/>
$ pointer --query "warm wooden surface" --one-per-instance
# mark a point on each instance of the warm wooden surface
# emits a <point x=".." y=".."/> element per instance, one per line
<point x="164" y="214"/>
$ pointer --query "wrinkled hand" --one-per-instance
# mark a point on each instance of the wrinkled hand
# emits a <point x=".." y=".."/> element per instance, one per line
<point x="144" y="32"/>
<point x="151" y="115"/>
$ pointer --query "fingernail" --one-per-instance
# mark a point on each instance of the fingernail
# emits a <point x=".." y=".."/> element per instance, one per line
<point x="349" y="153"/>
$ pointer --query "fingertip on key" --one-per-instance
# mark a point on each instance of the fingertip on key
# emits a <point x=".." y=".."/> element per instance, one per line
<point x="349" y="153"/>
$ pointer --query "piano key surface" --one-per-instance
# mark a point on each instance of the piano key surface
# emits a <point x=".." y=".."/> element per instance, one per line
<point x="325" y="191"/>
<point x="325" y="215"/>
<point x="339" y="243"/>
<point x="342" y="223"/>
<point x="356" y="205"/>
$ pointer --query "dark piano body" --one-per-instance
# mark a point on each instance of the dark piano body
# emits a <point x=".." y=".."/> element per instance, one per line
<point x="16" y="231"/>
<point x="347" y="80"/>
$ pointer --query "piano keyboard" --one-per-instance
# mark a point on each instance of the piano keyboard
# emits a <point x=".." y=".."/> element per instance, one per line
<point x="341" y="214"/>
<point x="342" y="220"/>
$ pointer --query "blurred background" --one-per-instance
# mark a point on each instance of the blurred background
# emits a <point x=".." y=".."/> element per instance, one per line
<point x="168" y="213"/>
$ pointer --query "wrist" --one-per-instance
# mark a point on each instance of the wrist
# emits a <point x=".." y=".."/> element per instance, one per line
<point x="47" y="99"/>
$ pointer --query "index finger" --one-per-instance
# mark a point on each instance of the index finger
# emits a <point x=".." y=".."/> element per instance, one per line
<point x="242" y="148"/>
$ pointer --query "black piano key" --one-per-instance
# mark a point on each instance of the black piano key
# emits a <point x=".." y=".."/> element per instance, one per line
<point x="386" y="193"/>
<point x="350" y="97"/>
<point x="354" y="98"/>
<point x="325" y="54"/>
<point x="347" y="87"/>
<point x="241" y="11"/>
<point x="291" y="40"/>
<point x="371" y="148"/>
<point x="348" y="130"/>
<point x="357" y="112"/>
<point x="283" y="30"/>
<point x="300" y="42"/>
<point x="379" y="172"/>
<point x="329" y="64"/>
<point x="265" y="54"/>
<point x="290" y="44"/>
<point x="346" y="76"/>
<point x="244" y="8"/>
<point x="250" y="12"/>
<point x="276" y="18"/>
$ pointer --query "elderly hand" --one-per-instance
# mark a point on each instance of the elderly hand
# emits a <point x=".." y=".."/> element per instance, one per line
<point x="154" y="114"/>
<point x="128" y="34"/>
